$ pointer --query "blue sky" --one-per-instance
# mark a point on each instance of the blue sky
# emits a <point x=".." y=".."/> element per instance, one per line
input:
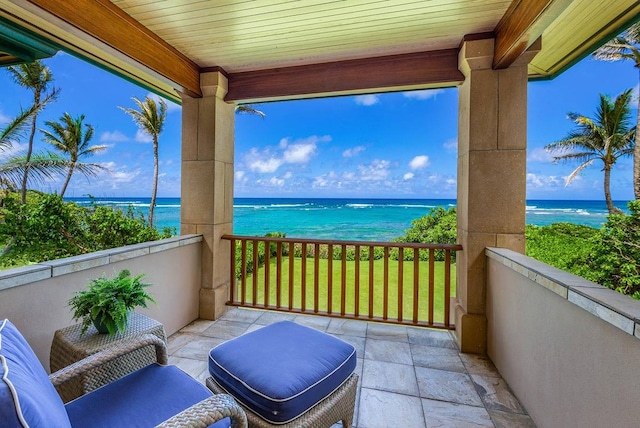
<point x="400" y="145"/>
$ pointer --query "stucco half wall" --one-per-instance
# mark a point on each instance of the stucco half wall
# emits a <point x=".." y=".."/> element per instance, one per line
<point x="567" y="347"/>
<point x="35" y="297"/>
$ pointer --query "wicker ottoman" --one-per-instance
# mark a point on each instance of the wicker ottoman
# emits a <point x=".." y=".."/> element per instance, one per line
<point x="287" y="375"/>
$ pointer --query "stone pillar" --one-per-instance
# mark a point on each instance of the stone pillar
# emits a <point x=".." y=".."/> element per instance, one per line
<point x="207" y="186"/>
<point x="492" y="133"/>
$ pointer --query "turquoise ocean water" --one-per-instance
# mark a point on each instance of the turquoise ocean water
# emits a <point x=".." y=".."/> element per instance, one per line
<point x="351" y="219"/>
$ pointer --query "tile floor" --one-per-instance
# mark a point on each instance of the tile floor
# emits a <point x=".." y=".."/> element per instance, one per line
<point x="409" y="377"/>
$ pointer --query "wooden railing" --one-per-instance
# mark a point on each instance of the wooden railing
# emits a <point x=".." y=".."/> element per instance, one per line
<point x="401" y="283"/>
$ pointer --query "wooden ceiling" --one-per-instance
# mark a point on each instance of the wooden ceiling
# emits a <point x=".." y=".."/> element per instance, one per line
<point x="274" y="49"/>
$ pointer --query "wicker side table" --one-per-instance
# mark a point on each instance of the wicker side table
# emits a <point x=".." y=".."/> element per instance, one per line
<point x="69" y="346"/>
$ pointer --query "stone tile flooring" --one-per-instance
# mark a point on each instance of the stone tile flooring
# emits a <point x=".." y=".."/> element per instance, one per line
<point x="409" y="377"/>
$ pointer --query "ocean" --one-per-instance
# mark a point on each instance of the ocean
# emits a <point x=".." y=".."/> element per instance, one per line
<point x="350" y="219"/>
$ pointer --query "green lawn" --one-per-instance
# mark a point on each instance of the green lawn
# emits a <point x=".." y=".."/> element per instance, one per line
<point x="336" y="288"/>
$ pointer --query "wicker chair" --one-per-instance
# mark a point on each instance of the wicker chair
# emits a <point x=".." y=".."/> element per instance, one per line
<point x="157" y="394"/>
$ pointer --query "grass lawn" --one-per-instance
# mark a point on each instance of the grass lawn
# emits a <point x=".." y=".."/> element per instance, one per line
<point x="350" y="287"/>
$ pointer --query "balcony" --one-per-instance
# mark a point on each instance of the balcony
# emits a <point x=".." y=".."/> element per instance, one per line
<point x="561" y="351"/>
<point x="409" y="376"/>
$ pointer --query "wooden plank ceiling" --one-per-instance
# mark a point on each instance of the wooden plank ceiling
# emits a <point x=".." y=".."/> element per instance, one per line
<point x="164" y="44"/>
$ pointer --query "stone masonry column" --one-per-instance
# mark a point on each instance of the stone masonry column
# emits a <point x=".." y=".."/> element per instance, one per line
<point x="207" y="186"/>
<point x="492" y="133"/>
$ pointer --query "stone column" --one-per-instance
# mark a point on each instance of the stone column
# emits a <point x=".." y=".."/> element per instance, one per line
<point x="207" y="186"/>
<point x="492" y="133"/>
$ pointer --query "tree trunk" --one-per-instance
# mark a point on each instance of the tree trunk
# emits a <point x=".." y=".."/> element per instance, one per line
<point x="607" y="191"/>
<point x="636" y="157"/>
<point x="155" y="180"/>
<point x="25" y="176"/>
<point x="66" y="182"/>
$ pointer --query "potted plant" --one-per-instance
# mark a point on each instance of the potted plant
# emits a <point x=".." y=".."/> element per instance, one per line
<point x="107" y="302"/>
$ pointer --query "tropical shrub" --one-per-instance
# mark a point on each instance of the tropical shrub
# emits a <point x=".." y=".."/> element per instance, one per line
<point x="614" y="260"/>
<point x="562" y="245"/>
<point x="48" y="228"/>
<point x="439" y="226"/>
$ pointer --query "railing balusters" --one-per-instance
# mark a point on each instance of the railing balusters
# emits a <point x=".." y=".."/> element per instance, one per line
<point x="316" y="277"/>
<point x="330" y="279"/>
<point x="232" y="271"/>
<point x="416" y="284"/>
<point x="356" y="307"/>
<point x="255" y="273"/>
<point x="243" y="270"/>
<point x="267" y="278"/>
<point x="385" y="292"/>
<point x="371" y="289"/>
<point x="431" y="285"/>
<point x="279" y="275"/>
<point x="256" y="260"/>
<point x="291" y="271"/>
<point x="303" y="280"/>
<point x="343" y="281"/>
<point x="400" y="282"/>
<point x="447" y="287"/>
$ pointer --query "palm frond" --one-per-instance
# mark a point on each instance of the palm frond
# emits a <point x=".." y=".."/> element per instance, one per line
<point x="249" y="109"/>
<point x="89" y="169"/>
<point x="577" y="171"/>
<point x="42" y="166"/>
<point x="150" y="115"/>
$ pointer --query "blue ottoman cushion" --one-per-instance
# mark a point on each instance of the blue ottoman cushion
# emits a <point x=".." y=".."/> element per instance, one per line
<point x="282" y="370"/>
<point x="143" y="398"/>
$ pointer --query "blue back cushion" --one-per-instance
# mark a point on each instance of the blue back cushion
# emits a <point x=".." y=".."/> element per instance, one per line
<point x="27" y="397"/>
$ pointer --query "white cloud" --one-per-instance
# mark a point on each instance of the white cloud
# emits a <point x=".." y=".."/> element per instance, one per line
<point x="278" y="182"/>
<point x="113" y="137"/>
<point x="4" y="118"/>
<point x="355" y="151"/>
<point x="265" y="166"/>
<point x="239" y="175"/>
<point x="288" y="175"/>
<point x="376" y="171"/>
<point x="299" y="153"/>
<point x="419" y="162"/>
<point x="143" y="137"/>
<point x="367" y="100"/>
<point x="118" y="174"/>
<point x="451" y="146"/>
<point x="540" y="155"/>
<point x="538" y="181"/>
<point x="268" y="160"/>
<point x="408" y="176"/>
<point x="424" y="94"/>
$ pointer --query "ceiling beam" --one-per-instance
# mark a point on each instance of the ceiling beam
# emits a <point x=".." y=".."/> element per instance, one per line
<point x="377" y="74"/>
<point x="520" y="26"/>
<point x="107" y="23"/>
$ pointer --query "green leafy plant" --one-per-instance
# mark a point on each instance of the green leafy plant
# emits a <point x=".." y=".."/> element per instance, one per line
<point x="109" y="300"/>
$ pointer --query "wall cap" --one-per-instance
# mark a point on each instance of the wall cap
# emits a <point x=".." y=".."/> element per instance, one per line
<point x="617" y="309"/>
<point x="44" y="270"/>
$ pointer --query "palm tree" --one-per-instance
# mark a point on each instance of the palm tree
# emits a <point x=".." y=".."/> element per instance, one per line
<point x="34" y="76"/>
<point x="606" y="137"/>
<point x="69" y="137"/>
<point x="150" y="118"/>
<point x="627" y="47"/>
<point x="41" y="165"/>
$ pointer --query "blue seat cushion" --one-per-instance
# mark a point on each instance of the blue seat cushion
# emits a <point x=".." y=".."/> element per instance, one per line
<point x="143" y="398"/>
<point x="27" y="396"/>
<point x="282" y="370"/>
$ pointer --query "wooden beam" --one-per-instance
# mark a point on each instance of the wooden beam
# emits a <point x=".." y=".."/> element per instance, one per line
<point x="414" y="70"/>
<point x="107" y="23"/>
<point x="520" y="26"/>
